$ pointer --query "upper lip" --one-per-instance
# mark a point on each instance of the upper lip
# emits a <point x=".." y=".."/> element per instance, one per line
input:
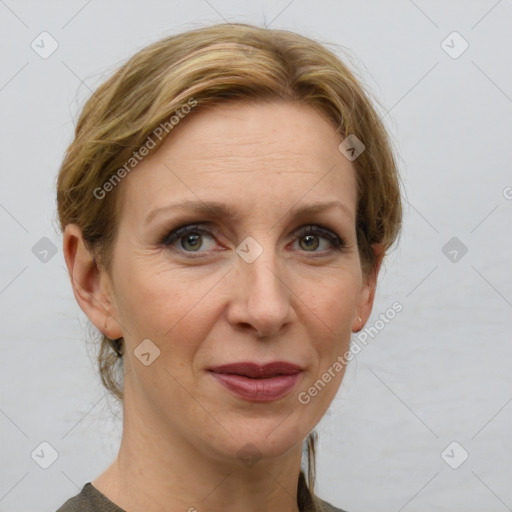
<point x="254" y="370"/>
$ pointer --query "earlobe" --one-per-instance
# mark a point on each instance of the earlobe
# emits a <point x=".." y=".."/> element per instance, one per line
<point x="90" y="284"/>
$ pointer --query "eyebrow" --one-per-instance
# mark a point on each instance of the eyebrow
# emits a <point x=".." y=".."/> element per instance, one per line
<point x="221" y="210"/>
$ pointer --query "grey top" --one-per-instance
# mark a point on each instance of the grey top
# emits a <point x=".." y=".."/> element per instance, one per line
<point x="91" y="499"/>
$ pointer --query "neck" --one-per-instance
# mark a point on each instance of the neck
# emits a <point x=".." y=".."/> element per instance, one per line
<point x="156" y="472"/>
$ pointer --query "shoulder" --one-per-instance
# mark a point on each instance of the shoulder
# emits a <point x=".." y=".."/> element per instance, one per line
<point x="327" y="507"/>
<point x="89" y="499"/>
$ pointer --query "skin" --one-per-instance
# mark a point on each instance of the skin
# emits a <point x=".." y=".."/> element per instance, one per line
<point x="295" y="302"/>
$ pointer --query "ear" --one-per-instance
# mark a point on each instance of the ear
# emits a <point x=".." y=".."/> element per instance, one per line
<point x="367" y="294"/>
<point x="91" y="284"/>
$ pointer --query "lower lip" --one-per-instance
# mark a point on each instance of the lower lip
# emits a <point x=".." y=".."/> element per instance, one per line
<point x="258" y="390"/>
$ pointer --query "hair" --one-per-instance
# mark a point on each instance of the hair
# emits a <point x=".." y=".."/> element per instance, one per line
<point x="209" y="66"/>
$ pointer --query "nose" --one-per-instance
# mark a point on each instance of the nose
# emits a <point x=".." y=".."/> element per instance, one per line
<point x="261" y="296"/>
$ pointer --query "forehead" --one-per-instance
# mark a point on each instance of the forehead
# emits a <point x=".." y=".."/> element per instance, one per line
<point x="253" y="154"/>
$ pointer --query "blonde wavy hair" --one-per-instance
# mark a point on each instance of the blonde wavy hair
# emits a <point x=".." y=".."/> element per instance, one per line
<point x="212" y="65"/>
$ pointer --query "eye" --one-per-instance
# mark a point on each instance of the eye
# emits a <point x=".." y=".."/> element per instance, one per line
<point x="309" y="235"/>
<point x="191" y="238"/>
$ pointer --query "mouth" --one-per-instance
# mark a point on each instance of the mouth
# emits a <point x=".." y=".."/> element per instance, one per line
<point x="258" y="383"/>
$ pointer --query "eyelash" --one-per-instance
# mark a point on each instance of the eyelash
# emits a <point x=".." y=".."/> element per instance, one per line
<point x="180" y="232"/>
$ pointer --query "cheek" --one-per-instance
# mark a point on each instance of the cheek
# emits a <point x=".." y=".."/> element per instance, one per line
<point x="163" y="305"/>
<point x="334" y="306"/>
<point x="334" y="303"/>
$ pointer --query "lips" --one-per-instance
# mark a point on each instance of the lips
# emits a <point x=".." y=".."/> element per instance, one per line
<point x="258" y="383"/>
<point x="257" y="371"/>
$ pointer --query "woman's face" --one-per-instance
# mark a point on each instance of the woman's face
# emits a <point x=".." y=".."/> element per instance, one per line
<point x="254" y="279"/>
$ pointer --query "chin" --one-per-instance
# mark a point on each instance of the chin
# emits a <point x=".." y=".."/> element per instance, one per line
<point x="257" y="439"/>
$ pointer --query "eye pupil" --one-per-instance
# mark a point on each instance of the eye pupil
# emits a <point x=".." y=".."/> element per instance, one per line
<point x="311" y="241"/>
<point x="194" y="238"/>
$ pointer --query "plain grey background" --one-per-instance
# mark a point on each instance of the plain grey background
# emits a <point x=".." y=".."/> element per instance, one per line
<point x="437" y="374"/>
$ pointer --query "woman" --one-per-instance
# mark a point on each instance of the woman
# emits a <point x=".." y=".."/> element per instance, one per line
<point x="226" y="206"/>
